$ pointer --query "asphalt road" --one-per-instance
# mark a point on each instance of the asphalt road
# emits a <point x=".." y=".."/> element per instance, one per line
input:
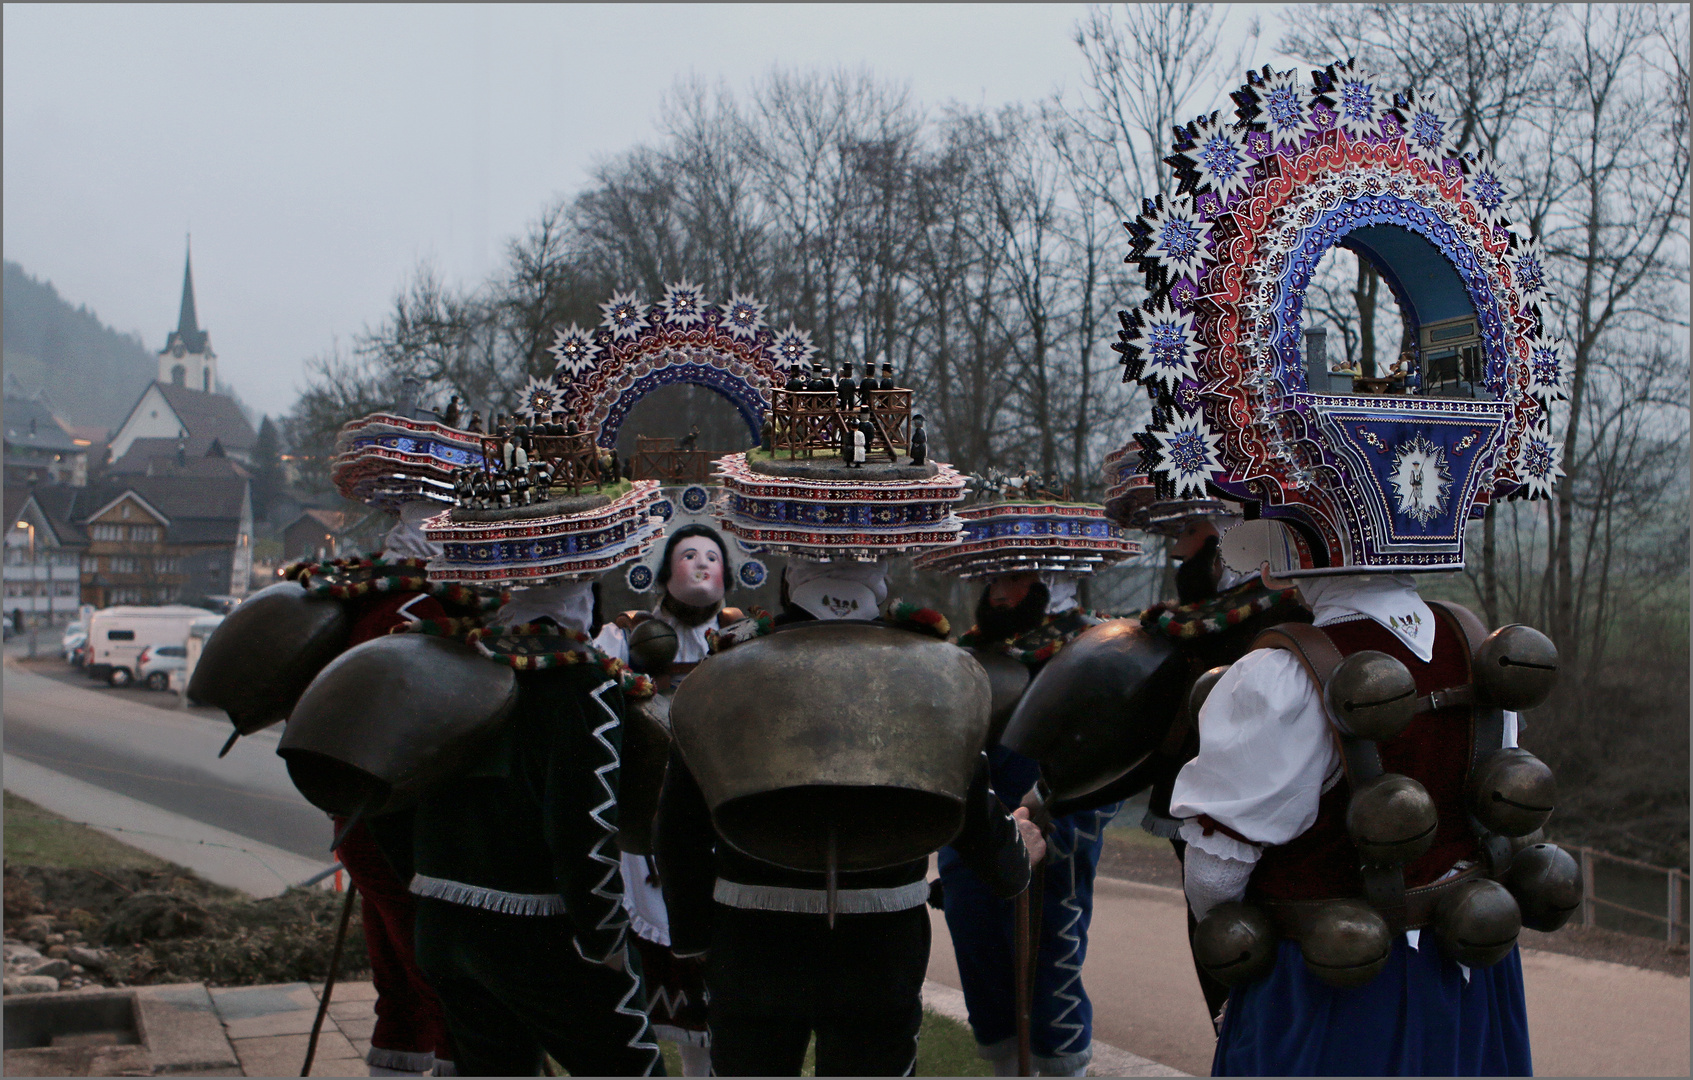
<point x="166" y="757"/>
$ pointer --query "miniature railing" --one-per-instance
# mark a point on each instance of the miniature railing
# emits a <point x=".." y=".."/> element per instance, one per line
<point x="1617" y="891"/>
<point x="662" y="460"/>
<point x="576" y="460"/>
<point x="805" y="421"/>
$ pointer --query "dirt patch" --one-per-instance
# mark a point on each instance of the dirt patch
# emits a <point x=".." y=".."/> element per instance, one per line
<point x="1151" y="861"/>
<point x="164" y="926"/>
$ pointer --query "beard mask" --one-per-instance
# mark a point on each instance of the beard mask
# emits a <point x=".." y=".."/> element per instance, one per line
<point x="1002" y="624"/>
<point x="1196" y="577"/>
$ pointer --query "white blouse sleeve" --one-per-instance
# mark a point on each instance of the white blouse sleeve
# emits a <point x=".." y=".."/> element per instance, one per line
<point x="1265" y="753"/>
<point x="613" y="642"/>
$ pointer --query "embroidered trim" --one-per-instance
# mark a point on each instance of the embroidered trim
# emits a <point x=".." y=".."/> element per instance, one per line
<point x="480" y="896"/>
<point x="1211" y="616"/>
<point x="816" y="901"/>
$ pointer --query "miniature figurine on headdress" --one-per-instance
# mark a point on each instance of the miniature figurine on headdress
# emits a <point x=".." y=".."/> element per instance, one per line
<point x="1401" y="886"/>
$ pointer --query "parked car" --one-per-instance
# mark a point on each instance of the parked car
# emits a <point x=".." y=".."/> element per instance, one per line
<point x="75" y="635"/>
<point x="156" y="662"/>
<point x="118" y="634"/>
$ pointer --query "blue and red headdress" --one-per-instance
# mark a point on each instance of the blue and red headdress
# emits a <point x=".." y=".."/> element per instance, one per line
<point x="1370" y="482"/>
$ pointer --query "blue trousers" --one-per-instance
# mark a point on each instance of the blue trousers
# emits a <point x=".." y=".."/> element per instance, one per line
<point x="981" y="926"/>
<point x="1419" y="1017"/>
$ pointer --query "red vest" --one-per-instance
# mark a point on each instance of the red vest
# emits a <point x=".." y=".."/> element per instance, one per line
<point x="1434" y="749"/>
<point x="376" y="614"/>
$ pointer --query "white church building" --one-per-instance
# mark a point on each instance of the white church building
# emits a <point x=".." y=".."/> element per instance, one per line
<point x="181" y="409"/>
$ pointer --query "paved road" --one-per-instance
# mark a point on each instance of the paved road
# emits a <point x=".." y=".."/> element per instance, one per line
<point x="163" y="757"/>
<point x="1586" y="1017"/>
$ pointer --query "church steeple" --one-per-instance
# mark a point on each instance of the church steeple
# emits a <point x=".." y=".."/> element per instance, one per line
<point x="186" y="324"/>
<point x="187" y="359"/>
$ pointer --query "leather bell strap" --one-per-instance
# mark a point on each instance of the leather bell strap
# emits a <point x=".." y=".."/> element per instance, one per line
<point x="1384" y="885"/>
<point x="1295" y="919"/>
<point x="1487" y="733"/>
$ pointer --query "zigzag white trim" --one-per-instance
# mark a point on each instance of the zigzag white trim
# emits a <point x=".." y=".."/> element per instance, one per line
<point x="1069" y="932"/>
<point x="635" y="1041"/>
<point x="614" y="918"/>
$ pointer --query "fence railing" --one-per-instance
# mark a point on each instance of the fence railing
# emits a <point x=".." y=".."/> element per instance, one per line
<point x="1631" y="896"/>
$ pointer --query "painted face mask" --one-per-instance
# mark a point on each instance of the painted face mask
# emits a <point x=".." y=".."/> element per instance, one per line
<point x="696" y="572"/>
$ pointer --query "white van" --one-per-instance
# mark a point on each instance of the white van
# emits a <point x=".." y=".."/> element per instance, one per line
<point x="117" y="635"/>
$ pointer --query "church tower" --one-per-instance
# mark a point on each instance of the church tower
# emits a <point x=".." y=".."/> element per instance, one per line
<point x="187" y="359"/>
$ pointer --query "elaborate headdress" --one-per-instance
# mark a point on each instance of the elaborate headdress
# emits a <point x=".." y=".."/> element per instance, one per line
<point x="1132" y="501"/>
<point x="823" y="520"/>
<point x="1058" y="537"/>
<point x="1369" y="483"/>
<point x="541" y="507"/>
<point x="386" y="459"/>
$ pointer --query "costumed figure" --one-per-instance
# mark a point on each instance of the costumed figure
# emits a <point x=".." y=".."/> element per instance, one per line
<point x="919" y="448"/>
<point x="1358" y="817"/>
<point x="1216" y="615"/>
<point x="261" y="659"/>
<point x="1031" y="557"/>
<point x="521" y="927"/>
<point x="692" y="571"/>
<point x="820" y="758"/>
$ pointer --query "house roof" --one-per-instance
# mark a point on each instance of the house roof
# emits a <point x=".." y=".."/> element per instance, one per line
<point x="200" y="509"/>
<point x="210" y="416"/>
<point x="333" y="520"/>
<point x="157" y="457"/>
<point x="30" y="423"/>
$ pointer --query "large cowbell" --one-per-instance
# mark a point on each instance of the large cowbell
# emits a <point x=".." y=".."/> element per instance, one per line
<point x="1099" y="707"/>
<point x="844" y="734"/>
<point x="390" y="717"/>
<point x="262" y="657"/>
<point x="1411" y="469"/>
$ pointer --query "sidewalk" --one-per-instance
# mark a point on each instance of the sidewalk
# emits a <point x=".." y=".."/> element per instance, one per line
<point x="269" y="1026"/>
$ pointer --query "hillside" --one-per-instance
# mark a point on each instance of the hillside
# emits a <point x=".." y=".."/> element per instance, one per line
<point x="92" y="373"/>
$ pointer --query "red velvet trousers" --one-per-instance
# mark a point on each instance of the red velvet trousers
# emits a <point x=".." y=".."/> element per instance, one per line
<point x="411" y="1032"/>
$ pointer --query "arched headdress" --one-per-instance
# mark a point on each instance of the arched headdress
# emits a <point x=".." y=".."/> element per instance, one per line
<point x="1382" y="482"/>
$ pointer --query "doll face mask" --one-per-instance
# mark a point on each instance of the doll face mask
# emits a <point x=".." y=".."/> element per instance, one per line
<point x="696" y="572"/>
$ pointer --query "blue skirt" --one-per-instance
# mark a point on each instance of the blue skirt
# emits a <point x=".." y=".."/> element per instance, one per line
<point x="1419" y="1017"/>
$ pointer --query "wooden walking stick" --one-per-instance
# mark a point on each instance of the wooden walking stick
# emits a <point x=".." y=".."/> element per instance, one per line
<point x="1025" y="1048"/>
<point x="329" y="982"/>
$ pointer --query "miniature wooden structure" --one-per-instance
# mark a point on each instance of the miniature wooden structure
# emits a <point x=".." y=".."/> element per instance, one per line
<point x="575" y="459"/>
<point x="805" y="421"/>
<point x="661" y="460"/>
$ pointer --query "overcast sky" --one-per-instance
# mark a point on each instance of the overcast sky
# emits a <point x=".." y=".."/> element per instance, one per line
<point x="317" y="153"/>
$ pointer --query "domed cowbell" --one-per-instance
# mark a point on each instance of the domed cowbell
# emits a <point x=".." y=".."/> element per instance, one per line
<point x="1513" y="792"/>
<point x="1515" y="667"/>
<point x="1099" y="707"/>
<point x="640" y="773"/>
<point x="1546" y="881"/>
<point x="1372" y="695"/>
<point x="1235" y="944"/>
<point x="868" y="734"/>
<point x="1348" y="943"/>
<point x="1477" y="923"/>
<point x="1202" y="688"/>
<point x="652" y="646"/>
<point x="1392" y="819"/>
<point x="262" y="657"/>
<point x="1007" y="680"/>
<point x="390" y="717"/>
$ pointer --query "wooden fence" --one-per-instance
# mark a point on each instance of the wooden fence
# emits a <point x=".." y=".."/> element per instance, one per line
<point x="1620" y="893"/>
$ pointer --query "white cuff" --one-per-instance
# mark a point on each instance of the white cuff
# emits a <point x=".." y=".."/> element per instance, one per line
<point x="1218" y="843"/>
<point x="1210" y="880"/>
